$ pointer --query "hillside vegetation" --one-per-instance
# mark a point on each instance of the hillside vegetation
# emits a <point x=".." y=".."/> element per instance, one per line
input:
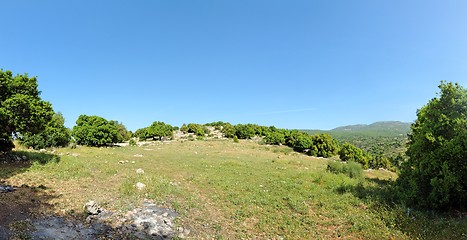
<point x="228" y="190"/>
<point x="387" y="138"/>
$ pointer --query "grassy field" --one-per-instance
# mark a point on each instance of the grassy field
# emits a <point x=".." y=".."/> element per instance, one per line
<point x="226" y="190"/>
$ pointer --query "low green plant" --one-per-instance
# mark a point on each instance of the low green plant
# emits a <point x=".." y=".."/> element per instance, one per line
<point x="351" y="169"/>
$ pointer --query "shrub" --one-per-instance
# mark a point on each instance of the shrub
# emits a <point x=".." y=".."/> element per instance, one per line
<point x="197" y="129"/>
<point x="351" y="169"/>
<point x="349" y="152"/>
<point x="323" y="145"/>
<point x="435" y="175"/>
<point x="95" y="131"/>
<point x="54" y="135"/>
<point x="132" y="142"/>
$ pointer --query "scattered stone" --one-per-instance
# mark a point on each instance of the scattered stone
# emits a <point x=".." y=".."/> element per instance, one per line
<point x="74" y="154"/>
<point x="140" y="186"/>
<point x="139" y="171"/>
<point x="42" y="150"/>
<point x="138" y="155"/>
<point x="92" y="208"/>
<point x="25" y="158"/>
<point x="133" y="162"/>
<point x="5" y="189"/>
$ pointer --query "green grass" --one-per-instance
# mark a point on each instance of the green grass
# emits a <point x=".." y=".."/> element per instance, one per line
<point x="233" y="190"/>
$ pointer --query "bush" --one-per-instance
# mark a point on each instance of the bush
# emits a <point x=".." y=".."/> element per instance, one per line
<point x="323" y="145"/>
<point x="54" y="135"/>
<point x="95" y="131"/>
<point x="351" y="169"/>
<point x="132" y="142"/>
<point x="197" y="129"/>
<point x="435" y="176"/>
<point x="275" y="138"/>
<point x="349" y="152"/>
<point x="245" y="131"/>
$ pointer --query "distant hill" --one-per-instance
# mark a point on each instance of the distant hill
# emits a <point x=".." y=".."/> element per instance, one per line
<point x="387" y="138"/>
<point x="377" y="129"/>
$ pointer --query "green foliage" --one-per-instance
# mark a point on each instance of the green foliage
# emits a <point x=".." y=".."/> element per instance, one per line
<point x="235" y="139"/>
<point x="184" y="128"/>
<point x="245" y="131"/>
<point x="123" y="133"/>
<point x="21" y="108"/>
<point x="54" y="135"/>
<point x="379" y="162"/>
<point x="349" y="152"/>
<point x="132" y="142"/>
<point x="197" y="129"/>
<point x="323" y="145"/>
<point x="299" y="141"/>
<point x="157" y="130"/>
<point x="95" y="131"/>
<point x="276" y="138"/>
<point x="351" y="169"/>
<point x="435" y="176"/>
<point x="229" y="131"/>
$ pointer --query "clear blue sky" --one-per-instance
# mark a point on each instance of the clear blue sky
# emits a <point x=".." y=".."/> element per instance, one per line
<point x="292" y="64"/>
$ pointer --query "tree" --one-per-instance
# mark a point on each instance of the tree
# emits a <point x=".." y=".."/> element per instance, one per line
<point x="54" y="135"/>
<point x="435" y="175"/>
<point x="245" y="131"/>
<point x="124" y="134"/>
<point x="22" y="111"/>
<point x="157" y="130"/>
<point x="95" y="131"/>
<point x="299" y="141"/>
<point x="349" y="153"/>
<point x="160" y="130"/>
<point x="197" y="129"/>
<point x="323" y="145"/>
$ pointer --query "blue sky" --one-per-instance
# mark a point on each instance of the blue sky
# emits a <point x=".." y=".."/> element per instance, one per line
<point x="292" y="64"/>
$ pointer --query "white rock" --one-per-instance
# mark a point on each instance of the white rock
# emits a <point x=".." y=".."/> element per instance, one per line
<point x="139" y="171"/>
<point x="140" y="186"/>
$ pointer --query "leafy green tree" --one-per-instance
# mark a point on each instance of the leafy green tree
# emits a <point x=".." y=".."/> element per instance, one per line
<point x="323" y="145"/>
<point x="184" y="128"/>
<point x="228" y="130"/>
<point x="299" y="141"/>
<point x="54" y="135"/>
<point x="349" y="153"/>
<point x="95" y="131"/>
<point x="21" y="108"/>
<point x="245" y="131"/>
<point x="435" y="175"/>
<point x="124" y="134"/>
<point x="159" y="130"/>
<point x="197" y="129"/>
<point x="276" y="138"/>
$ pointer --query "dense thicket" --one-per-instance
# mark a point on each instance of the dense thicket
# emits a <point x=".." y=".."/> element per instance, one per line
<point x="54" y="135"/>
<point x="157" y="130"/>
<point x="22" y="111"/>
<point x="96" y="131"/>
<point x="435" y="176"/>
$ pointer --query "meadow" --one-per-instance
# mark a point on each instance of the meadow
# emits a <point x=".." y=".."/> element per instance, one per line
<point x="227" y="190"/>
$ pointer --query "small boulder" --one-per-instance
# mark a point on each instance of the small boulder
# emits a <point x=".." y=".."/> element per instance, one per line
<point x="140" y="186"/>
<point x="92" y="208"/>
<point x="139" y="171"/>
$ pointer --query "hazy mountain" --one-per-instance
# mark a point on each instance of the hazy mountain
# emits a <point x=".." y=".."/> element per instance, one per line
<point x="383" y="129"/>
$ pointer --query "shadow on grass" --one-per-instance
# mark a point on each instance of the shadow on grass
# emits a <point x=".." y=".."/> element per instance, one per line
<point x="19" y="207"/>
<point x="382" y="198"/>
<point x="16" y="162"/>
